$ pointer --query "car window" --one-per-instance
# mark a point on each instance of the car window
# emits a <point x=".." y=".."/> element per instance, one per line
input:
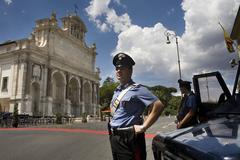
<point x="210" y="89"/>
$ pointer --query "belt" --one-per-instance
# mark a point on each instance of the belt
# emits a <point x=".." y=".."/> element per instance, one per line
<point x="122" y="131"/>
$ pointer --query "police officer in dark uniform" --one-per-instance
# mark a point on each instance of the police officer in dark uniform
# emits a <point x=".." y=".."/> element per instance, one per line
<point x="188" y="107"/>
<point x="129" y="101"/>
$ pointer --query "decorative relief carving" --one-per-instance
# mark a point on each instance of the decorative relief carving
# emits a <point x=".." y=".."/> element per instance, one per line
<point x="36" y="71"/>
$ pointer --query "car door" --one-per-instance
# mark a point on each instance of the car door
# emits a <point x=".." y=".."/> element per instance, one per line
<point x="211" y="91"/>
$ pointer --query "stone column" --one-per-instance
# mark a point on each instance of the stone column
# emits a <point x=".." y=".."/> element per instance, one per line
<point x="48" y="91"/>
<point x="25" y="82"/>
<point x="82" y="107"/>
<point x="43" y="90"/>
<point x="79" y="106"/>
<point x="23" y="85"/>
<point x="15" y="87"/>
<point x="49" y="104"/>
<point x="28" y="97"/>
<point x="65" y="101"/>
<point x="68" y="107"/>
<point x="94" y="98"/>
<point x="68" y="104"/>
<point x="29" y="105"/>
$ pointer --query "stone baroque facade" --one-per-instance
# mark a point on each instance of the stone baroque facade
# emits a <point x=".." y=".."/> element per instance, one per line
<point x="52" y="71"/>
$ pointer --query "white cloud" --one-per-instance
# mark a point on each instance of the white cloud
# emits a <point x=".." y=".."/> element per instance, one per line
<point x="106" y="18"/>
<point x="201" y="47"/>
<point x="8" y="2"/>
<point x="155" y="60"/>
<point x="97" y="8"/>
<point x="118" y="23"/>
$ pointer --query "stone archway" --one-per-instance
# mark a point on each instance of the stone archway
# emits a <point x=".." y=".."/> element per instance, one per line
<point x="58" y="92"/>
<point x="35" y="92"/>
<point x="73" y="96"/>
<point x="87" y="98"/>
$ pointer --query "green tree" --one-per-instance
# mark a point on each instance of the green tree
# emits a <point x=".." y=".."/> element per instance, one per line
<point x="165" y="94"/>
<point x="106" y="92"/>
<point x="59" y="118"/>
<point x="173" y="105"/>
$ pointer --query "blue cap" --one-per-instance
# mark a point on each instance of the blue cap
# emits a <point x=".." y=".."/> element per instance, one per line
<point x="185" y="84"/>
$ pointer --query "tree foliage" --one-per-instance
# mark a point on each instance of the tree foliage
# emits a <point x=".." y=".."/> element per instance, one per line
<point x="106" y="92"/>
<point x="166" y="96"/>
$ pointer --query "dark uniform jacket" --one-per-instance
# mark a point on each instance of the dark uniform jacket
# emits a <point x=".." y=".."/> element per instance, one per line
<point x="188" y="102"/>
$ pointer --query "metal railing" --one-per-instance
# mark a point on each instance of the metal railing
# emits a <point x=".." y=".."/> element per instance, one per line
<point x="25" y="120"/>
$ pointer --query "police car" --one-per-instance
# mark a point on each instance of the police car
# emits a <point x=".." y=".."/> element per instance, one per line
<point x="218" y="134"/>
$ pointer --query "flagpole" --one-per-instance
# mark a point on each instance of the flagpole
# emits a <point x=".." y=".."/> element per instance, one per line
<point x="238" y="50"/>
<point x="221" y="26"/>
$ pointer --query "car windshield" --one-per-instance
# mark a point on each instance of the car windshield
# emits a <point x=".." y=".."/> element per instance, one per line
<point x="213" y="93"/>
<point x="210" y="89"/>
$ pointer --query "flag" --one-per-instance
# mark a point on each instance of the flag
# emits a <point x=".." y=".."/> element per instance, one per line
<point x="76" y="8"/>
<point x="228" y="40"/>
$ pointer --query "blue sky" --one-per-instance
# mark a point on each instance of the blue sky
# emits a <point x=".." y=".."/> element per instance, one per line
<point x="137" y="27"/>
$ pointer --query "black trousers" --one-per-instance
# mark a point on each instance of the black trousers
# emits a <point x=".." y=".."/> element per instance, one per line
<point x="128" y="146"/>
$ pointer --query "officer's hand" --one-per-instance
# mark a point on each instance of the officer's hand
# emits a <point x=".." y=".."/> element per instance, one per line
<point x="179" y="125"/>
<point x="139" y="129"/>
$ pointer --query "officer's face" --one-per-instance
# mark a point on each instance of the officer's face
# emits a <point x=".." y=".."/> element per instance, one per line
<point x="123" y="74"/>
<point x="183" y="90"/>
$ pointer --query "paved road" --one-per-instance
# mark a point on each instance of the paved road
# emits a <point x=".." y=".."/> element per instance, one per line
<point x="78" y="141"/>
